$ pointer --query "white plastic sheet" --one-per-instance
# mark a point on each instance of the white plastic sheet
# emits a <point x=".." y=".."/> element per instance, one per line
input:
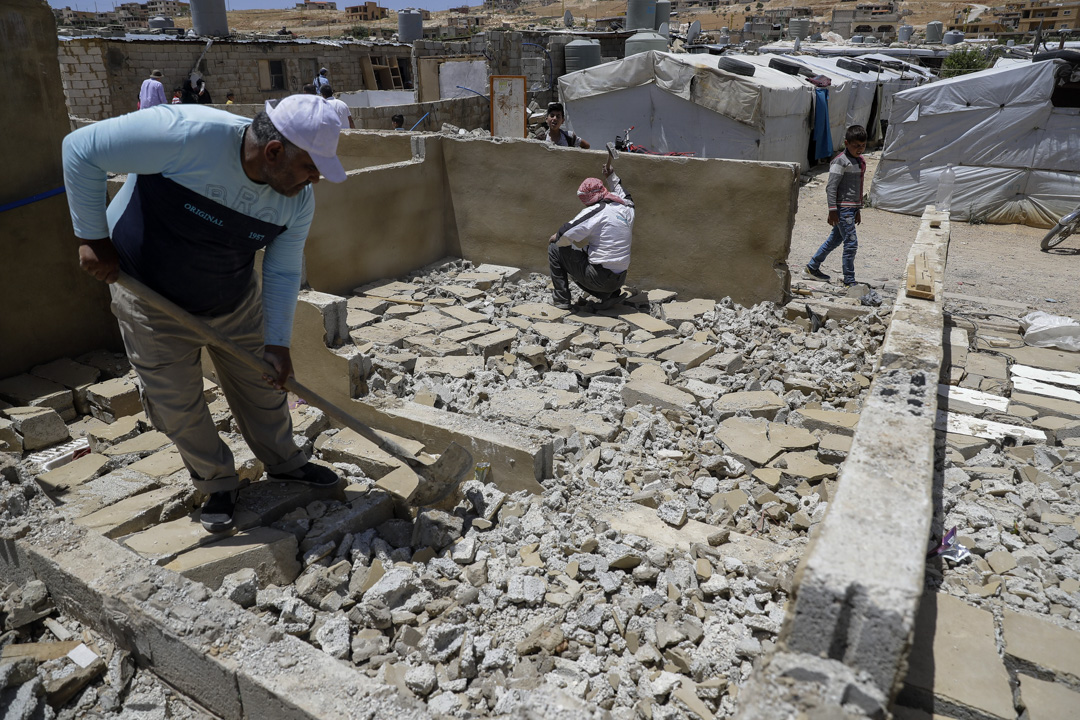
<point x="1016" y="156"/>
<point x="1045" y="330"/>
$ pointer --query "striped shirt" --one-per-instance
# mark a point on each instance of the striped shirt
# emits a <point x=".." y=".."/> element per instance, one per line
<point x="845" y="188"/>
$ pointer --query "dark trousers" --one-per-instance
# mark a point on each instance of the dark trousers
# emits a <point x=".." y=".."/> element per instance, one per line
<point x="566" y="262"/>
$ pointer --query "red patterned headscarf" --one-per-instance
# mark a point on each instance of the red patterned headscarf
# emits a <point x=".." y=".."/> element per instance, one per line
<point x="593" y="190"/>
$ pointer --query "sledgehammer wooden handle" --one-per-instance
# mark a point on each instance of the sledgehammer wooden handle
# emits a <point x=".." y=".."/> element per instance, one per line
<point x="221" y="342"/>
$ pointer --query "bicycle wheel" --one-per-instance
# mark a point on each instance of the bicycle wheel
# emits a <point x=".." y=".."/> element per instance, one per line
<point x="1057" y="235"/>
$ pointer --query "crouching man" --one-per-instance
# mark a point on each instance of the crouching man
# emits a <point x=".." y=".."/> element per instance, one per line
<point x="594" y="247"/>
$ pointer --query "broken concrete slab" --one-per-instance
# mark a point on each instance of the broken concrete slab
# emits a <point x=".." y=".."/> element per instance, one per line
<point x="138" y="512"/>
<point x="586" y="423"/>
<point x="679" y="312"/>
<point x="954" y="666"/>
<point x="433" y="346"/>
<point x="38" y="427"/>
<point x="141" y="445"/>
<point x="506" y="272"/>
<point x="103" y="491"/>
<point x="74" y="473"/>
<point x="348" y="446"/>
<point x="658" y="395"/>
<point x="477" y="279"/>
<point x="1038" y="646"/>
<point x="557" y="334"/>
<point x="688" y="355"/>
<point x="76" y="377"/>
<point x="830" y="421"/>
<point x="653" y="347"/>
<point x="492" y="343"/>
<point x="791" y="438"/>
<point x="263" y="503"/>
<point x="805" y="465"/>
<point x="1046" y="405"/>
<point x="387" y="333"/>
<point x="161" y="543"/>
<point x="468" y="332"/>
<point x="463" y="315"/>
<point x="32" y="391"/>
<point x="356" y="319"/>
<point x="359" y="514"/>
<point x="1045" y="700"/>
<point x="456" y="366"/>
<point x="539" y="311"/>
<point x="748" y="440"/>
<point x="517" y="405"/>
<point x="10" y="441"/>
<point x="647" y="322"/>
<point x="114" y="399"/>
<point x="373" y="305"/>
<point x="270" y="553"/>
<point x="756" y="403"/>
<point x="161" y="464"/>
<point x="104" y="437"/>
<point x="438" y="321"/>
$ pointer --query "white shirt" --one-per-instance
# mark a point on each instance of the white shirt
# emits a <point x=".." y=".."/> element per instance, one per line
<point x="342" y="110"/>
<point x="605" y="234"/>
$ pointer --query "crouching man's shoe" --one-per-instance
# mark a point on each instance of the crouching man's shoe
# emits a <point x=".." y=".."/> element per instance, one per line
<point x="310" y="474"/>
<point x="217" y="511"/>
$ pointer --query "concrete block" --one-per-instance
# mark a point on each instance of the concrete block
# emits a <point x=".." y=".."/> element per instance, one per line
<point x="679" y="312"/>
<point x="457" y="366"/>
<point x="493" y="343"/>
<point x="137" y="512"/>
<point x="271" y="553"/>
<point x="74" y="473"/>
<point x="437" y="321"/>
<point x="160" y="544"/>
<point x="76" y="377"/>
<point x="748" y="440"/>
<point x="519" y="457"/>
<point x="467" y="332"/>
<point x="10" y="441"/>
<point x="38" y="427"/>
<point x="1038" y="646"/>
<point x="387" y="333"/>
<point x="557" y="334"/>
<point x="648" y="323"/>
<point x="758" y="403"/>
<point x="372" y="305"/>
<point x="585" y="423"/>
<point x="348" y="446"/>
<point x="659" y="395"/>
<point x="161" y="464"/>
<point x="688" y="355"/>
<point x="433" y="345"/>
<point x="333" y="310"/>
<point x="729" y="362"/>
<point x="32" y="391"/>
<point x="1045" y="405"/>
<point x="114" y="399"/>
<point x="263" y="503"/>
<point x="463" y="314"/>
<point x="830" y="421"/>
<point x="953" y="667"/>
<point x="103" y="437"/>
<point x="361" y="513"/>
<point x="356" y="318"/>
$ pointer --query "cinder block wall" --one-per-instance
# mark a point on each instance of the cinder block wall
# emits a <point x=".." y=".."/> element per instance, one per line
<point x="704" y="227"/>
<point x="50" y="307"/>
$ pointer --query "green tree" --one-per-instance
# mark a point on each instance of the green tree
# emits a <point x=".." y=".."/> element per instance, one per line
<point x="963" y="60"/>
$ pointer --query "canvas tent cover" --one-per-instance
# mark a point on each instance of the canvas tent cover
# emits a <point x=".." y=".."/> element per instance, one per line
<point x="686" y="103"/>
<point x="1015" y="155"/>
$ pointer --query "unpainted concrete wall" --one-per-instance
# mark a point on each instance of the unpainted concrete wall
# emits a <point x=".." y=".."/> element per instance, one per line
<point x="51" y="308"/>
<point x="704" y="227"/>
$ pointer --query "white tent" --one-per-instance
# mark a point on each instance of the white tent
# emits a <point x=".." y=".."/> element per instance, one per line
<point x="1016" y="154"/>
<point x="685" y="103"/>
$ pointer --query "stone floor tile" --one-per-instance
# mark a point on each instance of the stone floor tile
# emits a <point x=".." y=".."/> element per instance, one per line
<point x="1040" y="644"/>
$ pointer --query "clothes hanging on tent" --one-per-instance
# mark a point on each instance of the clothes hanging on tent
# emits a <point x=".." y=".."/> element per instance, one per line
<point x="822" y="135"/>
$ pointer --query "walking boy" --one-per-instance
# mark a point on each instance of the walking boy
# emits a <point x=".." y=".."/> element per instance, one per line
<point x="844" y="193"/>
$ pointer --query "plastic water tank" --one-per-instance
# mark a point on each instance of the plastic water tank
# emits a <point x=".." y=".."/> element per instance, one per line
<point x="798" y="28"/>
<point x="934" y="32"/>
<point x="856" y="40"/>
<point x="645" y="41"/>
<point x="641" y="14"/>
<point x="159" y="22"/>
<point x="208" y="18"/>
<point x="747" y="28"/>
<point x="953" y="36"/>
<point x="581" y="54"/>
<point x="723" y="40"/>
<point x="903" y="34"/>
<point x="410" y="25"/>
<point x="663" y="13"/>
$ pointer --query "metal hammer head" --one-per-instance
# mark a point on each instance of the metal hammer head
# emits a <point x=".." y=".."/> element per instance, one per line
<point x="611" y="151"/>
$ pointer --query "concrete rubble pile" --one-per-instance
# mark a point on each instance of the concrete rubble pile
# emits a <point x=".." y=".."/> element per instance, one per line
<point x="695" y="446"/>
<point x="52" y="667"/>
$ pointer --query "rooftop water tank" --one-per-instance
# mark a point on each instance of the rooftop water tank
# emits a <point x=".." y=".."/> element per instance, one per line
<point x="904" y="33"/>
<point x="799" y="28"/>
<point x="663" y="13"/>
<point x="934" y="32"/>
<point x="856" y="39"/>
<point x="641" y="14"/>
<point x="160" y="22"/>
<point x="723" y="40"/>
<point x="747" y="28"/>
<point x="208" y="18"/>
<point x="581" y="54"/>
<point x="953" y="36"/>
<point x="644" y="41"/>
<point x="410" y="25"/>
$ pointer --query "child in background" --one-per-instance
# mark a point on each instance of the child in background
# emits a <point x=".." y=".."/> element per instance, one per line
<point x="845" y="196"/>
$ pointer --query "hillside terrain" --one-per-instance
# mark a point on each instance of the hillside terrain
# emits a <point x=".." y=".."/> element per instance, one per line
<point x="333" y="23"/>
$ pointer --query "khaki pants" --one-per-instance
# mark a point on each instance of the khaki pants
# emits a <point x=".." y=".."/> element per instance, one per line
<point x="165" y="356"/>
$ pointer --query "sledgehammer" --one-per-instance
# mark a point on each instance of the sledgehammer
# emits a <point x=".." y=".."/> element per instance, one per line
<point x="612" y="154"/>
<point x="435" y="482"/>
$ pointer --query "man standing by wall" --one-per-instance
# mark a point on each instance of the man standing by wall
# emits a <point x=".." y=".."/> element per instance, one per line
<point x="152" y="91"/>
<point x="320" y="79"/>
<point x="343" y="111"/>
<point x="206" y="190"/>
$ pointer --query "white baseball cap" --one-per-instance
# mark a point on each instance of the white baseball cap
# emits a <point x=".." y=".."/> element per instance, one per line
<point x="310" y="123"/>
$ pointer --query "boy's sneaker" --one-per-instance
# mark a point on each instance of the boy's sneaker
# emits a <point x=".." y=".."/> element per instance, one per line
<point x="817" y="274"/>
<point x="852" y="283"/>
<point x="217" y="511"/>
<point x="310" y="474"/>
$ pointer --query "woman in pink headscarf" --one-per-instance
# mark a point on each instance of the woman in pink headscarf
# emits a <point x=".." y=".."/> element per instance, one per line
<point x="593" y="249"/>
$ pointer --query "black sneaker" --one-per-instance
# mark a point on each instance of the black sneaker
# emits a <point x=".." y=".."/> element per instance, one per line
<point x="817" y="274"/>
<point x="310" y="474"/>
<point x="561" y="305"/>
<point x="853" y="283"/>
<point x="217" y="512"/>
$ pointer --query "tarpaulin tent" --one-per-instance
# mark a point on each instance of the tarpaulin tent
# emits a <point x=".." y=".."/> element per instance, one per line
<point x="1009" y="133"/>
<point x="687" y="103"/>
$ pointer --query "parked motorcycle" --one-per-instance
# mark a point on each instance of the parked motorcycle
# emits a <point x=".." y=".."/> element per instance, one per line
<point x="623" y="144"/>
<point x="1065" y="227"/>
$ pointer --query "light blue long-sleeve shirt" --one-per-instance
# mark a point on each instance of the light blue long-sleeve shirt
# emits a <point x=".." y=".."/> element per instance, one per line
<point x="151" y="93"/>
<point x="200" y="149"/>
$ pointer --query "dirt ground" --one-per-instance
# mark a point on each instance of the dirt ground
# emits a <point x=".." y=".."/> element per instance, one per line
<point x="1000" y="262"/>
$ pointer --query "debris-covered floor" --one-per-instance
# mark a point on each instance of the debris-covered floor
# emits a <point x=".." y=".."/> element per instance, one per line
<point x="695" y="445"/>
